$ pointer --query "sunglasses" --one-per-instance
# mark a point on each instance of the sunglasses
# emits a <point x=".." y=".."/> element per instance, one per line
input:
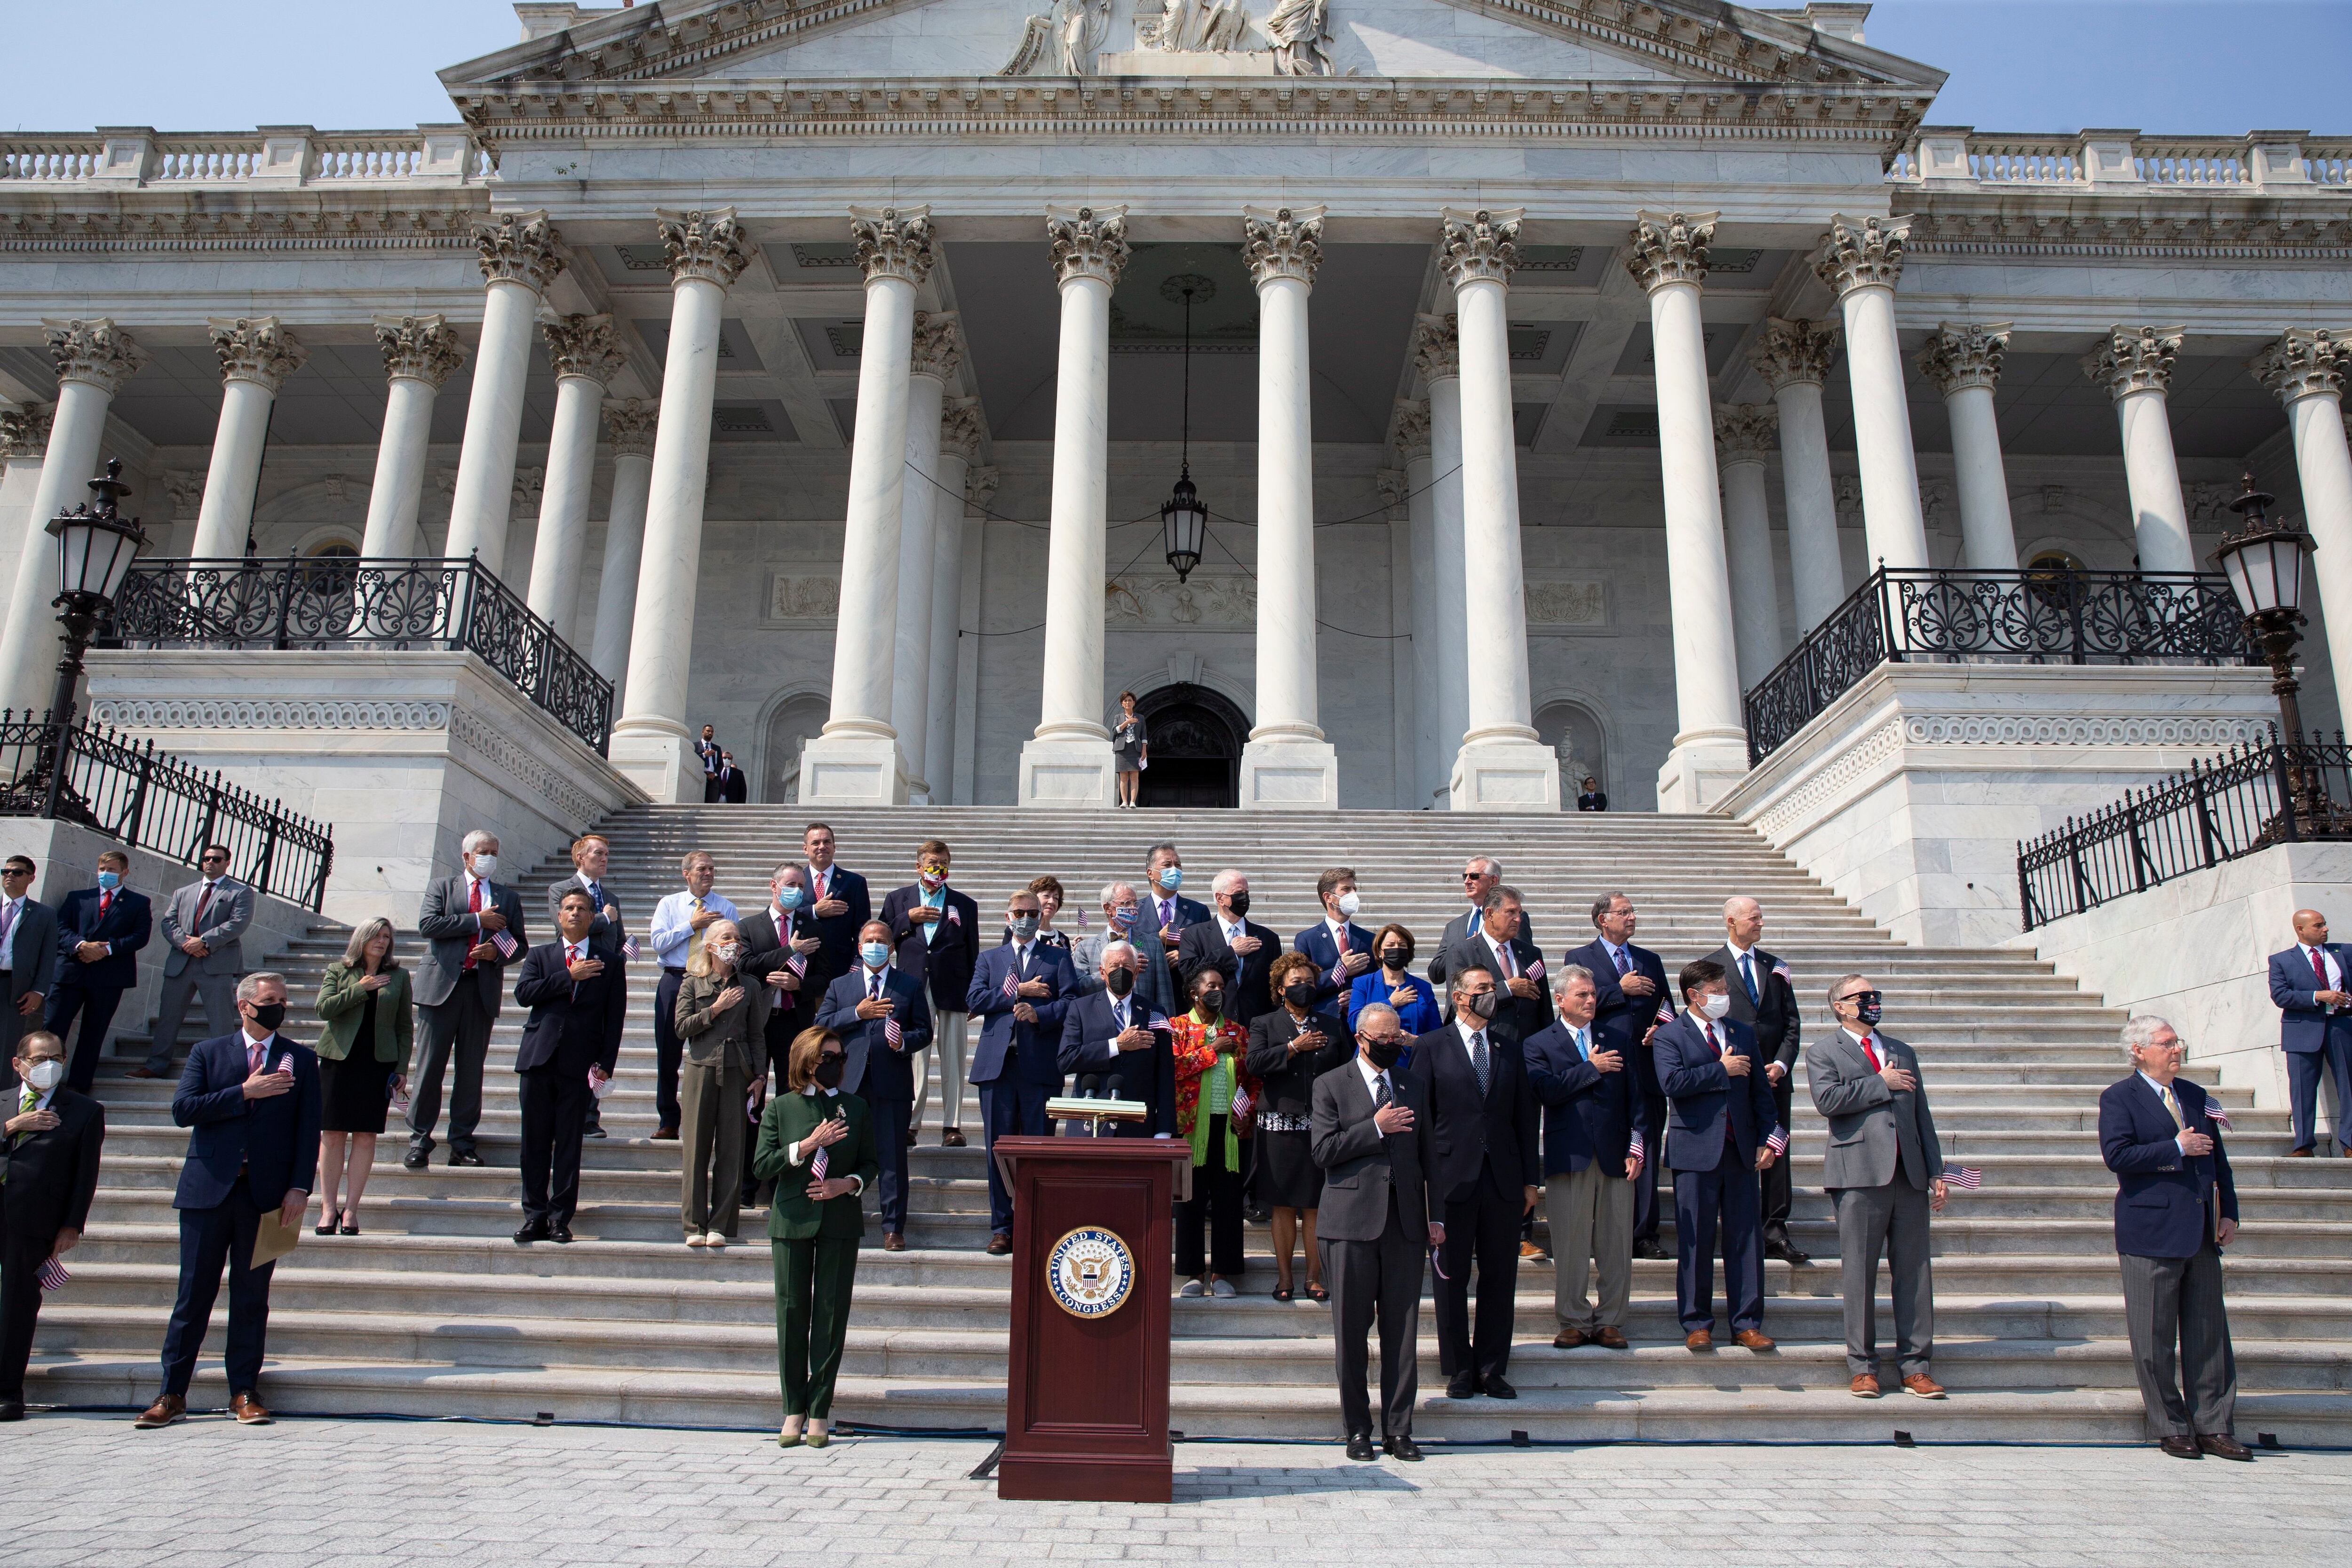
<point x="1860" y="998"/>
<point x="16" y="870"/>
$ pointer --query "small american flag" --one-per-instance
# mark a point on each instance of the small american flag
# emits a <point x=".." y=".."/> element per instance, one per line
<point x="1535" y="971"/>
<point x="2214" y="1113"/>
<point x="505" y="943"/>
<point x="1082" y="919"/>
<point x="52" y="1274"/>
<point x="1778" y="1141"/>
<point x="955" y="915"/>
<point x="1781" y="969"/>
<point x="818" y="1162"/>
<point x="1340" y="974"/>
<point x="1012" y="987"/>
<point x="1433" y="1263"/>
<point x="629" y="948"/>
<point x="1638" y="1151"/>
<point x="1967" y="1177"/>
<point x="798" y="963"/>
<point x="891" y="1032"/>
<point x="1665" y="1010"/>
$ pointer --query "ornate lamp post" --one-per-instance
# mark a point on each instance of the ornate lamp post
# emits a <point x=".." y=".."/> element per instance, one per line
<point x="2264" y="562"/>
<point x="1182" y="519"/>
<point x="96" y="546"/>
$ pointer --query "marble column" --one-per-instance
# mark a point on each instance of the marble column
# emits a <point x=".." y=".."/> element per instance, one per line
<point x="585" y="354"/>
<point x="1412" y="444"/>
<point x="93" y="358"/>
<point x="858" y="760"/>
<point x="650" y="743"/>
<point x="962" y="427"/>
<point x="420" y="353"/>
<point x="1405" y="753"/>
<point x="963" y="741"/>
<point x="1668" y="259"/>
<point x="2307" y="370"/>
<point x="1068" y="761"/>
<point x="2135" y="364"/>
<point x="257" y="354"/>
<point x="1437" y="349"/>
<point x="1745" y="434"/>
<point x="1861" y="261"/>
<point x="518" y="259"/>
<point x="1794" y="359"/>
<point x="923" y="510"/>
<point x="1287" y="764"/>
<point x="1502" y="766"/>
<point x="629" y="425"/>
<point x="24" y="436"/>
<point x="1964" y="361"/>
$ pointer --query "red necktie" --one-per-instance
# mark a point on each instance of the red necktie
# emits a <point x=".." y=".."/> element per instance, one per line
<point x="2319" y="969"/>
<point x="1875" y="1065"/>
<point x="1711" y="1043"/>
<point x="474" y="903"/>
<point x="254" y="1051"/>
<point x="105" y="901"/>
<point x="204" y="904"/>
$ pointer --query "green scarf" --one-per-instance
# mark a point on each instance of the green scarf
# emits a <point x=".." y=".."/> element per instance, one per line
<point x="1216" y="1091"/>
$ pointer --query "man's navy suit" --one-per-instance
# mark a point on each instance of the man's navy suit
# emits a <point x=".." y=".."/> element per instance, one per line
<point x="50" y="1178"/>
<point x="92" y="991"/>
<point x="1618" y="1025"/>
<point x="944" y="959"/>
<point x="573" y="1025"/>
<point x="882" y="1076"/>
<point x="1018" y="1066"/>
<point x="1318" y="944"/>
<point x="1588" y="1114"/>
<point x="1771" y="1011"/>
<point x="839" y="932"/>
<point x="1714" y="1124"/>
<point x="1089" y="1026"/>
<point x="243" y="1157"/>
<point x="2317" y="1039"/>
<point x="1205" y="947"/>
<point x="1481" y="1153"/>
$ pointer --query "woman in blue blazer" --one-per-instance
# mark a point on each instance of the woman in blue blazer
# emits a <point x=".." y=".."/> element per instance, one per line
<point x="1395" y="982"/>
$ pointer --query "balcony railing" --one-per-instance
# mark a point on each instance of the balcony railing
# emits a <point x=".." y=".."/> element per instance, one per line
<point x="2247" y="799"/>
<point x="342" y="603"/>
<point x="137" y="796"/>
<point x="1996" y="617"/>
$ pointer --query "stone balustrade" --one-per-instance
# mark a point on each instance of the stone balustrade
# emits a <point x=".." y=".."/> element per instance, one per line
<point x="2266" y="162"/>
<point x="274" y="156"/>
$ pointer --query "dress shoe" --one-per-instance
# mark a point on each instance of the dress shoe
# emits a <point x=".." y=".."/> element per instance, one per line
<point x="1359" y="1447"/>
<point x="1529" y="1249"/>
<point x="13" y="1410"/>
<point x="592" y="1130"/>
<point x="415" y="1159"/>
<point x="532" y="1231"/>
<point x="1494" y="1385"/>
<point x="893" y="1242"/>
<point x="1786" y="1252"/>
<point x="2298" y="1153"/>
<point x="1920" y="1385"/>
<point x="2222" y="1446"/>
<point x="167" y="1408"/>
<point x="1608" y="1338"/>
<point x="910" y="1137"/>
<point x="1402" y="1446"/>
<point x="1753" y="1339"/>
<point x="999" y="1244"/>
<point x="2181" y="1448"/>
<point x="1462" y="1385"/>
<point x="142" y="1073"/>
<point x="1652" y="1252"/>
<point x="1864" y="1387"/>
<point x="665" y="1134"/>
<point x="952" y="1139"/>
<point x="1698" y="1339"/>
<point x="248" y="1411"/>
<point x="464" y="1158"/>
<point x="1569" y="1339"/>
<point x="560" y="1234"/>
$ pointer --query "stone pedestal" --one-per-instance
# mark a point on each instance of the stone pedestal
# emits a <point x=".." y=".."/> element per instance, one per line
<point x="852" y="769"/>
<point x="1072" y="772"/>
<point x="1289" y="773"/>
<point x="1504" y="773"/>
<point x="1699" y="771"/>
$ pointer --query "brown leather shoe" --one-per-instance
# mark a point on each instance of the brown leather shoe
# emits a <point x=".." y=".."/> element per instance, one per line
<point x="999" y="1244"/>
<point x="1923" y="1386"/>
<point x="1608" y="1338"/>
<point x="1529" y="1249"/>
<point x="248" y="1411"/>
<point x="167" y="1408"/>
<point x="145" y="1072"/>
<point x="665" y="1134"/>
<point x="892" y="1241"/>
<point x="2181" y="1448"/>
<point x="1698" y="1339"/>
<point x="2298" y="1153"/>
<point x="1864" y="1387"/>
<point x="1569" y="1339"/>
<point x="1753" y="1339"/>
<point x="2222" y="1446"/>
<point x="952" y="1138"/>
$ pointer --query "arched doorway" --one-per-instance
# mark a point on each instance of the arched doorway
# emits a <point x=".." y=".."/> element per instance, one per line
<point x="793" y="720"/>
<point x="1196" y="737"/>
<point x="1575" y="736"/>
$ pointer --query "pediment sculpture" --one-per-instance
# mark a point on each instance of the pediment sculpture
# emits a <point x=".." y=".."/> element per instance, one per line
<point x="1188" y="38"/>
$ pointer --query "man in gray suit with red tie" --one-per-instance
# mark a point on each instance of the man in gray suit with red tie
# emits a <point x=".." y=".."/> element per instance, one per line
<point x="203" y="931"/>
<point x="474" y="928"/>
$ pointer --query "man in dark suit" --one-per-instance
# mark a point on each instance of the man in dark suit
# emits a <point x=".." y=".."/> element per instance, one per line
<point x="250" y="1101"/>
<point x="592" y="857"/>
<point x="2175" y="1209"/>
<point x="1591" y="1158"/>
<point x="1342" y="948"/>
<point x="1118" y="1043"/>
<point x="707" y="751"/>
<point x="1720" y="1136"/>
<point x="49" y="1175"/>
<point x="577" y="992"/>
<point x="733" y="788"/>
<point x="100" y="931"/>
<point x="1019" y="992"/>
<point x="1234" y="946"/>
<point x="838" y="899"/>
<point x="204" y="936"/>
<point x="2314" y="1001"/>
<point x="472" y="927"/>
<point x="1592" y="798"/>
<point x="1479" y="878"/>
<point x="1763" y="999"/>
<point x="936" y="931"/>
<point x="1165" y="913"/>
<point x="1523" y="1008"/>
<point x="1364" y="1127"/>
<point x="1485" y="1169"/>
<point x="1633" y="1002"/>
<point x="28" y="954"/>
<point x="781" y="946"/>
<point x="883" y="1020"/>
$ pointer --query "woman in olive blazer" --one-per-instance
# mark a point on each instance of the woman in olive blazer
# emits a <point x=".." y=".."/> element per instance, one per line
<point x="813" y="1227"/>
<point x="362" y="1063"/>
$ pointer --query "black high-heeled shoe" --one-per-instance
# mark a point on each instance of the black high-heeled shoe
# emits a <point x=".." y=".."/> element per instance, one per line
<point x="327" y="1223"/>
<point x="348" y="1227"/>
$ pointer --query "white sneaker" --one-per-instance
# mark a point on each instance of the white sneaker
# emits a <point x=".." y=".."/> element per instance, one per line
<point x="1220" y="1288"/>
<point x="697" y="1238"/>
<point x="715" y="1242"/>
<point x="1192" y="1288"/>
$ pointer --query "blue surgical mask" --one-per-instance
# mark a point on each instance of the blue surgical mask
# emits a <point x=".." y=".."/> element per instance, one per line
<point x="875" y="954"/>
<point x="108" y="880"/>
<point x="788" y="899"/>
<point x="1172" y="878"/>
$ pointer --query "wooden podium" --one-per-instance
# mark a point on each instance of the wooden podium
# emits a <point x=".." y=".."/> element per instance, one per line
<point x="1085" y="1393"/>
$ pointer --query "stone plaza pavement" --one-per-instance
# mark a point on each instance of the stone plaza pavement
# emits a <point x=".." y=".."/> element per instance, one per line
<point x="361" y="1493"/>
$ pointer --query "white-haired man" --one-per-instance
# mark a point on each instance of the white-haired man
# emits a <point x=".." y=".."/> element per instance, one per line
<point x="1117" y="1041"/>
<point x="1234" y="946"/>
<point x="472" y="927"/>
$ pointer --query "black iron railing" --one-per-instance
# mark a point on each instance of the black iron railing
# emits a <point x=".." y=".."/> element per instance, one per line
<point x="348" y="603"/>
<point x="2013" y="617"/>
<point x="151" y="800"/>
<point x="2246" y="800"/>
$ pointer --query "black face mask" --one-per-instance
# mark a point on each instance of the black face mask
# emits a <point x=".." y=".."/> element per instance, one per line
<point x="1240" y="903"/>
<point x="828" y="1072"/>
<point x="1483" y="1005"/>
<point x="1383" y="1053"/>
<point x="1118" y="982"/>
<point x="1866" y="1008"/>
<point x="1212" y="1001"/>
<point x="1394" y="958"/>
<point x="268" y="1015"/>
<point x="1298" y="995"/>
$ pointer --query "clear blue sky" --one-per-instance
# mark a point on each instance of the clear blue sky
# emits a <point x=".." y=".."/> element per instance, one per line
<point x="2183" y="66"/>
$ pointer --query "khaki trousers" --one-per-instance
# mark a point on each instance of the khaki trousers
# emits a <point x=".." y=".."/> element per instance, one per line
<point x="1592" y="1214"/>
<point x="947" y="1038"/>
<point x="710" y="1137"/>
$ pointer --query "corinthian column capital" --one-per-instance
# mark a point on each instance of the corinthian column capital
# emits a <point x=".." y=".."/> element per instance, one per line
<point x="2304" y="363"/>
<point x="1437" y="349"/>
<point x="630" y="424"/>
<point x="586" y="346"/>
<point x="961" y="428"/>
<point x="418" y="348"/>
<point x="1409" y="430"/>
<point x="1793" y="354"/>
<point x="96" y="351"/>
<point x="1285" y="242"/>
<point x="1670" y="247"/>
<point x="520" y="248"/>
<point x="1861" y="255"/>
<point x="25" y="431"/>
<point x="707" y="244"/>
<point x="937" y="344"/>
<point x="1965" y="354"/>
<point x="1484" y="243"/>
<point x="979" y="488"/>
<point x="1088" y="243"/>
<point x="256" y="348"/>
<point x="2135" y="358"/>
<point x="892" y="242"/>
<point x="1747" y="431"/>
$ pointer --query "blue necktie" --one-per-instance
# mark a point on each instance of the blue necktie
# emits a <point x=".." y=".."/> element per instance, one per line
<point x="1748" y="977"/>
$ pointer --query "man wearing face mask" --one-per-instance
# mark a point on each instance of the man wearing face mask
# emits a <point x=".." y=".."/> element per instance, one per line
<point x="1124" y="920"/>
<point x="1342" y="950"/>
<point x="1592" y="1156"/>
<point x="781" y="946"/>
<point x="936" y="932"/>
<point x="1720" y="1134"/>
<point x="1019" y="992"/>
<point x="884" y="1020"/>
<point x="680" y="921"/>
<point x="49" y="1175"/>
<point x="251" y="1103"/>
<point x="1116" y="1042"/>
<point x="578" y="995"/>
<point x="100" y="931"/>
<point x="1632" y="1003"/>
<point x="1235" y="947"/>
<point x="472" y="926"/>
<point x="1167" y="914"/>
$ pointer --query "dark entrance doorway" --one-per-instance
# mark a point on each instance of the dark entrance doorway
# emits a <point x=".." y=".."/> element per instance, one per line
<point x="1196" y="747"/>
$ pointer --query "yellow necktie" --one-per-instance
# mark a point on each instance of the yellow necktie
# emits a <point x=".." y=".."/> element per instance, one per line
<point x="2172" y="1106"/>
<point x="694" y="941"/>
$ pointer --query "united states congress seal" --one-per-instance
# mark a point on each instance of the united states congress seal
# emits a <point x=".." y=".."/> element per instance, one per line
<point x="1091" y="1270"/>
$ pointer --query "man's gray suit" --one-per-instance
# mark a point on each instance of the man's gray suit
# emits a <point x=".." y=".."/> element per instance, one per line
<point x="1883" y="1156"/>
<point x="460" y="1005"/>
<point x="217" y="914"/>
<point x="1372" y="1229"/>
<point x="32" y="971"/>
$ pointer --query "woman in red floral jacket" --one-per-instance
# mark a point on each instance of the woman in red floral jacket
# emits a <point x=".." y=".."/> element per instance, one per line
<point x="1210" y="1077"/>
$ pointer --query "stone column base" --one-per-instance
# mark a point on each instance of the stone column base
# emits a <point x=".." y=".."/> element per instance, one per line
<point x="1699" y="773"/>
<point x="852" y="770"/>
<point x="1289" y="775"/>
<point x="1505" y="775"/>
<point x="1068" y="773"/>
<point x="660" y="763"/>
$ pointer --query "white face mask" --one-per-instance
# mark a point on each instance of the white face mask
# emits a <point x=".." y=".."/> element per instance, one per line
<point x="45" y="1075"/>
<point x="1716" y="1006"/>
<point x="486" y="867"/>
<point x="1348" y="903"/>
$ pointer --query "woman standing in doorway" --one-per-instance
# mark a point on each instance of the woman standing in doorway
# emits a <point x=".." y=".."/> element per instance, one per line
<point x="1129" y="747"/>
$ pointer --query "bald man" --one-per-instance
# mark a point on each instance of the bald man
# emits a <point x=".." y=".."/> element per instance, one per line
<point x="2314" y="1001"/>
<point x="1762" y="998"/>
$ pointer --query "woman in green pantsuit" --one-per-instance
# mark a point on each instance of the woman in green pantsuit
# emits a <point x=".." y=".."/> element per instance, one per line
<point x="814" y="1225"/>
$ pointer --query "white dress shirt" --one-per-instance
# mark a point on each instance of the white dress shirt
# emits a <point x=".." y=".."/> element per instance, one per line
<point x="1373" y="1078"/>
